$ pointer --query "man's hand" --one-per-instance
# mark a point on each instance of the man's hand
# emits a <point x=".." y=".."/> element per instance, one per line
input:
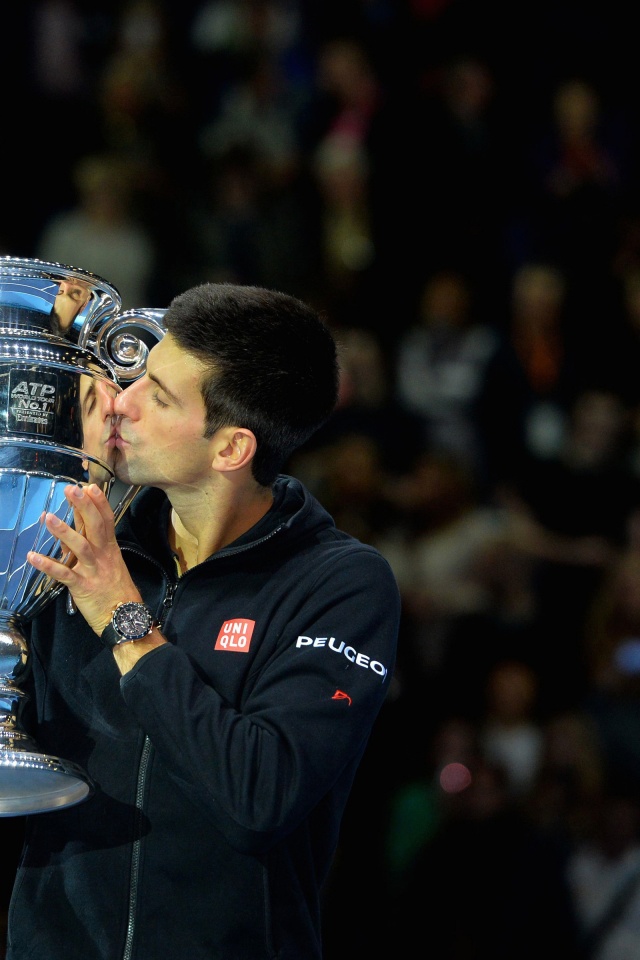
<point x="98" y="579"/>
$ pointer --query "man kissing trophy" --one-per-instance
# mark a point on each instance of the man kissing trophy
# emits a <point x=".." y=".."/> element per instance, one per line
<point x="65" y="349"/>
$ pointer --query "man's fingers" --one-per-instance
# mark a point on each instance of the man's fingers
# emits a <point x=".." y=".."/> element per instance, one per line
<point x="52" y="568"/>
<point x="101" y="501"/>
<point x="69" y="537"/>
<point x="93" y="512"/>
<point x="89" y="551"/>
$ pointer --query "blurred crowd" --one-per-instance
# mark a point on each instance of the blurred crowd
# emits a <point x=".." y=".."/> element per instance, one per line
<point x="457" y="186"/>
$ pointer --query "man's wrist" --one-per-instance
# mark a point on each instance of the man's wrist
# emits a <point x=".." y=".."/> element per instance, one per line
<point x="128" y="654"/>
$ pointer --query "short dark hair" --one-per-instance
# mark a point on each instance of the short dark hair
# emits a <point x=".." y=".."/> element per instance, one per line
<point x="271" y="363"/>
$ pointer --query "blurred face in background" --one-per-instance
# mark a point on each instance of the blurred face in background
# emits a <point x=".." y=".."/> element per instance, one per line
<point x="72" y="297"/>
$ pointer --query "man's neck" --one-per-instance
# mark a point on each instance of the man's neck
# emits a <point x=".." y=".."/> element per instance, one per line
<point x="197" y="531"/>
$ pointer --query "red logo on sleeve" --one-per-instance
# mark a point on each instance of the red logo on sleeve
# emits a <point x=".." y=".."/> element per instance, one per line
<point x="235" y="635"/>
<point x="341" y="695"/>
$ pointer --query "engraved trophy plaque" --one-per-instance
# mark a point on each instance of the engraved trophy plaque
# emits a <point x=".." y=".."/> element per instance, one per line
<point x="64" y="347"/>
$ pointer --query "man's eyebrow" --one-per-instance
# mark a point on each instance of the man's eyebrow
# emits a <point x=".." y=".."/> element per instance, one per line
<point x="169" y="393"/>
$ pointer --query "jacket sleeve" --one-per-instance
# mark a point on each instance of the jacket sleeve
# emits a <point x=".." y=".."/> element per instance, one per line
<point x="304" y="715"/>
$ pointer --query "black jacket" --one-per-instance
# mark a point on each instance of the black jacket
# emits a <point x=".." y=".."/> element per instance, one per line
<point x="223" y="761"/>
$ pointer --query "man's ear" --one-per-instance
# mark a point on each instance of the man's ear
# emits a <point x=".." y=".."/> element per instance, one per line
<point x="235" y="448"/>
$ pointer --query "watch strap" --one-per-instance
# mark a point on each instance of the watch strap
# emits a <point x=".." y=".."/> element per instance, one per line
<point x="111" y="638"/>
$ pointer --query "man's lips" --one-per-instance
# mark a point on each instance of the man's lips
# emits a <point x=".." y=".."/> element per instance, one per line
<point x="116" y="439"/>
<point x="112" y="437"/>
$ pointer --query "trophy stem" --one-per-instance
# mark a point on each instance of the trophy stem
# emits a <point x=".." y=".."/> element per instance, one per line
<point x="30" y="781"/>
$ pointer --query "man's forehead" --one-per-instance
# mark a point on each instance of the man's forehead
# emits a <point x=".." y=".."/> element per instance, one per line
<point x="167" y="352"/>
<point x="177" y="370"/>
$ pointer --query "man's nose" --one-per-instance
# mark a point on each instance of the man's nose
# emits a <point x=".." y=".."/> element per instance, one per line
<point x="106" y="397"/>
<point x="124" y="401"/>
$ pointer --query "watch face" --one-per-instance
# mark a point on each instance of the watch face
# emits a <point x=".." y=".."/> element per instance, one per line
<point x="132" y="620"/>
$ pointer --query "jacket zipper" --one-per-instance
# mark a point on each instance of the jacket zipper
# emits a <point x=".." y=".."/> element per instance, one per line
<point x="140" y="786"/>
<point x="167" y="602"/>
<point x="135" y="856"/>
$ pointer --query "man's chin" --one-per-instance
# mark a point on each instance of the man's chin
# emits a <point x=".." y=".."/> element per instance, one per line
<point x="124" y="476"/>
<point x="119" y="467"/>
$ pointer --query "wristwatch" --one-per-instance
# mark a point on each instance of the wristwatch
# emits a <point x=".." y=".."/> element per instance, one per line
<point x="129" y="621"/>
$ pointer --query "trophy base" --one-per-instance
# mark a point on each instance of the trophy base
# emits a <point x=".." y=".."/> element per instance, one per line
<point x="30" y="781"/>
<point x="37" y="783"/>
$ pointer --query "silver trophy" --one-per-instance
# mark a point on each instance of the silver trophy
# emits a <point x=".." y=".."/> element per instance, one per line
<point x="65" y="345"/>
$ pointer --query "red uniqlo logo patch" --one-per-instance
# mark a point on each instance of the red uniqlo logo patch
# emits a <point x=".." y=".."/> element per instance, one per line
<point x="235" y="635"/>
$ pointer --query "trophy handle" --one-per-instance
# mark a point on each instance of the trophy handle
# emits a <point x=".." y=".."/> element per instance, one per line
<point x="123" y="340"/>
<point x="121" y="500"/>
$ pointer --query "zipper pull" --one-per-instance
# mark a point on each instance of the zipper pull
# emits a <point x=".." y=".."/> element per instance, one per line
<point x="71" y="605"/>
<point x="167" y="602"/>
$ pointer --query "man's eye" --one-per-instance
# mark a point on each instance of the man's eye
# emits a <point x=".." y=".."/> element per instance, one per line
<point x="89" y="401"/>
<point x="157" y="400"/>
<point x="77" y="294"/>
